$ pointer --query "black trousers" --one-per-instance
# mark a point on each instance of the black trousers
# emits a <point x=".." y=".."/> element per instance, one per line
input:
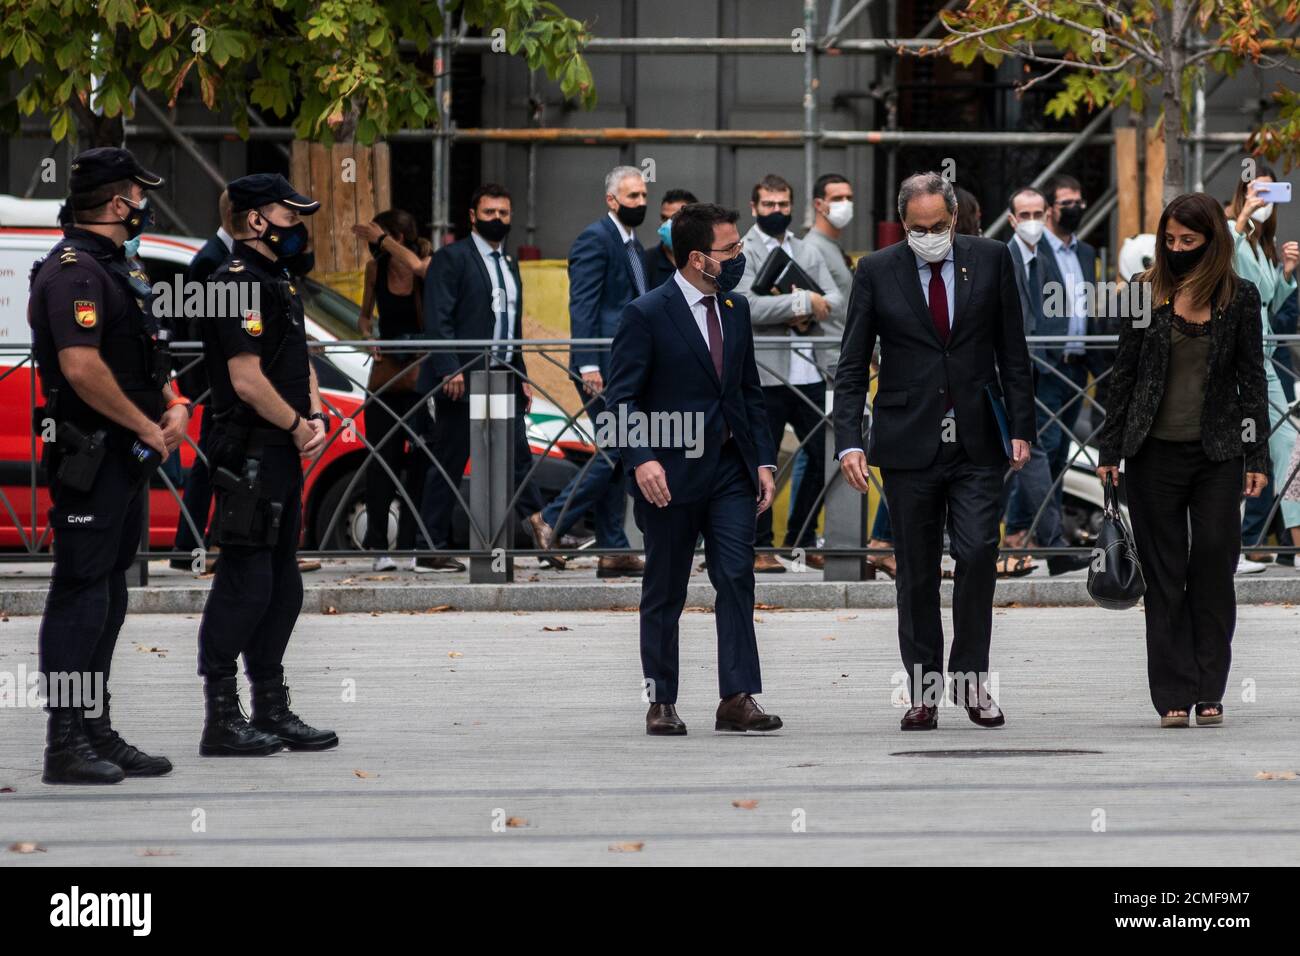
<point x="726" y="519"/>
<point x="450" y="442"/>
<point x="256" y="594"/>
<point x="968" y="496"/>
<point x="1190" y="602"/>
<point x="96" y="536"/>
<point x="404" y="462"/>
<point x="790" y="403"/>
<point x="198" y="493"/>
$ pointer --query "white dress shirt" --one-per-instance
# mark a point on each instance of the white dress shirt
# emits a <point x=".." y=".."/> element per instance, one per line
<point x="226" y="238"/>
<point x="511" y="292"/>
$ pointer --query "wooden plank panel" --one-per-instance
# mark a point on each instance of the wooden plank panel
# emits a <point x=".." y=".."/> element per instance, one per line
<point x="322" y="234"/>
<point x="1129" y="209"/>
<point x="342" y="211"/>
<point x="381" y="164"/>
<point x="1153" y="199"/>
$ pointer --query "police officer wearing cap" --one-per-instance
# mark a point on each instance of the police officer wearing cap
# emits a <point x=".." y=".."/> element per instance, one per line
<point x="110" y="418"/>
<point x="268" y="419"/>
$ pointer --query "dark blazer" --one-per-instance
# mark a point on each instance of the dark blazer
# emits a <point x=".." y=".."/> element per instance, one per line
<point x="918" y="371"/>
<point x="1022" y="286"/>
<point x="1098" y="360"/>
<point x="600" y="285"/>
<point x="207" y="259"/>
<point x="458" y="305"/>
<point x="658" y="267"/>
<point x="1236" y="391"/>
<point x="660" y="363"/>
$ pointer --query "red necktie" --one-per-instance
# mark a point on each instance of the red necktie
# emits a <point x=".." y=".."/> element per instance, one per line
<point x="715" y="335"/>
<point x="938" y="301"/>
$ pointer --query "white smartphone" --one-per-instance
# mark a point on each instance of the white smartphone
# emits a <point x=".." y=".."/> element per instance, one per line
<point x="1274" y="192"/>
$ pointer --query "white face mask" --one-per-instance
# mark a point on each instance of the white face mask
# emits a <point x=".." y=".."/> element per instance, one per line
<point x="840" y="213"/>
<point x="1030" y="231"/>
<point x="1261" y="214"/>
<point x="930" y="247"/>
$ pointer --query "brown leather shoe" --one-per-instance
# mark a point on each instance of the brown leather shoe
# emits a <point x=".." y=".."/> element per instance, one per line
<point x="620" y="566"/>
<point x="308" y="564"/>
<point x="767" y="564"/>
<point x="816" y="561"/>
<point x="921" y="717"/>
<point x="543" y="536"/>
<point x="979" y="705"/>
<point x="740" y="713"/>
<point x="661" y="720"/>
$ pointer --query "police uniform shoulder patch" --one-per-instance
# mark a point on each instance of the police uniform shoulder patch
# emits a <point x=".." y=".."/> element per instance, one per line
<point x="67" y="256"/>
<point x="252" y="323"/>
<point x="235" y="266"/>
<point x="83" y="310"/>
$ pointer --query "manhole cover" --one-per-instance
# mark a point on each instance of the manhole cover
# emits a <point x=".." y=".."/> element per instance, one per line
<point x="992" y="752"/>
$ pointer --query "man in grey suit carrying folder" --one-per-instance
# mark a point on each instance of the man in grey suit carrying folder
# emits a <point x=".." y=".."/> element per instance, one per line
<point x="947" y="315"/>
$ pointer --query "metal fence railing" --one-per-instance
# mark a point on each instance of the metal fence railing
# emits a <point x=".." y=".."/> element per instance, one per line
<point x="371" y="423"/>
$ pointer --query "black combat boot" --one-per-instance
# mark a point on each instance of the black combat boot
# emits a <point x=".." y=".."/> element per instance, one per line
<point x="108" y="743"/>
<point x="271" y="713"/>
<point x="69" y="757"/>
<point x="226" y="732"/>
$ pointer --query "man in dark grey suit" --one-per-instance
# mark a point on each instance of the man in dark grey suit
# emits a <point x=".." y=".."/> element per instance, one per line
<point x="947" y="315"/>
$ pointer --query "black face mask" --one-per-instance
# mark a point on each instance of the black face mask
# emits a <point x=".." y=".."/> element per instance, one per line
<point x="774" y="223"/>
<point x="1070" y="217"/>
<point x="1183" y="261"/>
<point x="285" y="241"/>
<point x="631" y="216"/>
<point x="137" y="221"/>
<point x="493" y="230"/>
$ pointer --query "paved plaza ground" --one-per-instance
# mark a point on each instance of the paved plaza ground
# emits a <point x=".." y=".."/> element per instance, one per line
<point x="459" y="723"/>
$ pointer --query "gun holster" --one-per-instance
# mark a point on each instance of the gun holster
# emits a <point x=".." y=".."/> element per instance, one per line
<point x="80" y="455"/>
<point x="247" y="515"/>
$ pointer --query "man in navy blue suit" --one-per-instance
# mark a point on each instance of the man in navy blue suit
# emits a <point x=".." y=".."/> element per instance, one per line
<point x="606" y="272"/>
<point x="684" y="354"/>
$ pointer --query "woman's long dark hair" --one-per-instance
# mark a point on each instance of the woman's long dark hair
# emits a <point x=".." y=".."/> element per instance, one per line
<point x="968" y="212"/>
<point x="1213" y="281"/>
<point x="401" y="225"/>
<point x="1264" y="233"/>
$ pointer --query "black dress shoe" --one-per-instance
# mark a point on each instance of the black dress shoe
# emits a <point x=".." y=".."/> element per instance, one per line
<point x="661" y="720"/>
<point x="271" y="715"/>
<point x="920" y="717"/>
<point x="226" y="732"/>
<point x="69" y="758"/>
<point x="108" y="743"/>
<point x="980" y="707"/>
<point x="1065" y="563"/>
<point x="740" y="713"/>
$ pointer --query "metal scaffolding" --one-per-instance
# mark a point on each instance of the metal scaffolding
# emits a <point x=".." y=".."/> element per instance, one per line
<point x="809" y="137"/>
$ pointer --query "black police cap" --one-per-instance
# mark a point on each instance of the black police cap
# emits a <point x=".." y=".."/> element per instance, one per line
<point x="262" y="189"/>
<point x="108" y="164"/>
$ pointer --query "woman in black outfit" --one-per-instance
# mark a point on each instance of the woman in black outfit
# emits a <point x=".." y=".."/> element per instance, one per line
<point x="1189" y="416"/>
<point x="393" y="283"/>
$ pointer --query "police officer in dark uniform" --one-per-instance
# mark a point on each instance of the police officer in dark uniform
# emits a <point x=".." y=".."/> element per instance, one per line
<point x="268" y="419"/>
<point x="109" y="419"/>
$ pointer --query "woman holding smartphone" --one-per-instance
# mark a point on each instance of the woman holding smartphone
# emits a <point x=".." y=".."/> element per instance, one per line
<point x="1259" y="258"/>
<point x="1187" y="381"/>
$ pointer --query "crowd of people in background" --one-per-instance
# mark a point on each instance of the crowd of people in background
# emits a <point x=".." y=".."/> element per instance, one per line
<point x="472" y="290"/>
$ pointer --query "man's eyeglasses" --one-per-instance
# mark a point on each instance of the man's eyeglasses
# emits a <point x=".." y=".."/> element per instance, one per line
<point x="936" y="230"/>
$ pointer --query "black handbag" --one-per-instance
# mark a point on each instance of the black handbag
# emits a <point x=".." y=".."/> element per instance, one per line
<point x="1115" y="582"/>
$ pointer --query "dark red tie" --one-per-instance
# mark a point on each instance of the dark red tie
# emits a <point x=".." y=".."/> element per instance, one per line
<point x="938" y="301"/>
<point x="715" y="335"/>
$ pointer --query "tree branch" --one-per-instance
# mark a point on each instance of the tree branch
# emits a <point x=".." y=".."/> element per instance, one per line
<point x="1088" y="31"/>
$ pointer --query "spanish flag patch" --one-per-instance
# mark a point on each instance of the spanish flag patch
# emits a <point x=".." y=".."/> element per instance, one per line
<point x="83" y="310"/>
<point x="253" y="323"/>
